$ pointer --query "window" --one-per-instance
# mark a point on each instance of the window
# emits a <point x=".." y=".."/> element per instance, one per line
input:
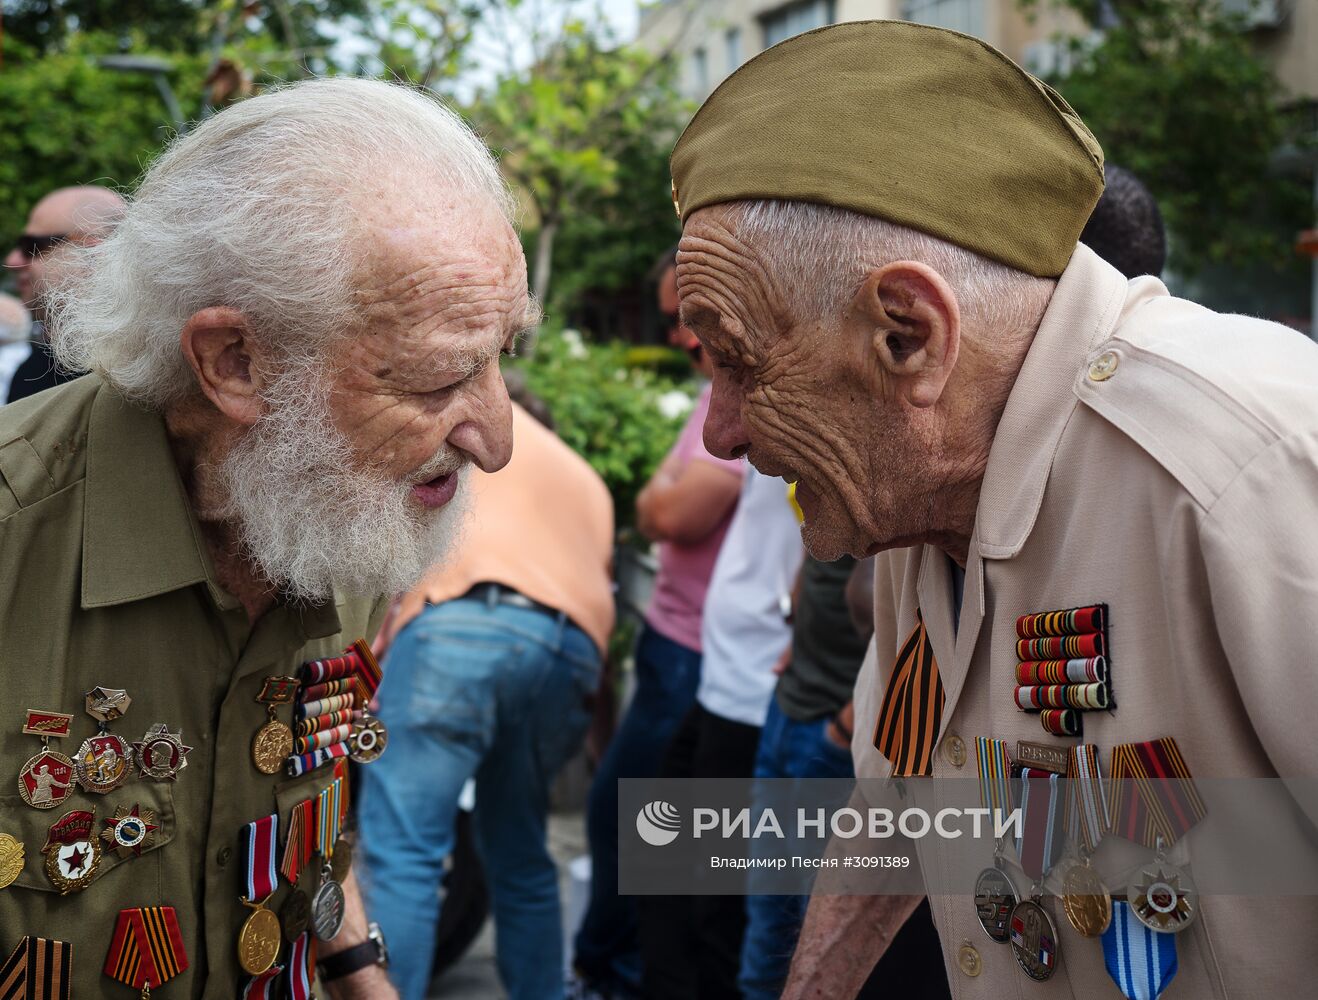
<point x="796" y="18"/>
<point x="700" y="72"/>
<point x="732" y="48"/>
<point x="960" y="15"/>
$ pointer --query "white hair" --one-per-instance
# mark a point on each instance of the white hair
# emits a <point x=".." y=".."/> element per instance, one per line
<point x="256" y="209"/>
<point x="820" y="254"/>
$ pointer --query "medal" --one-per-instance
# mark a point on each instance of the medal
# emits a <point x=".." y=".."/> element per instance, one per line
<point x="259" y="939"/>
<point x="295" y="915"/>
<point x="1034" y="942"/>
<point x="995" y="893"/>
<point x="38" y="969"/>
<point x="71" y="851"/>
<point x="130" y="831"/>
<point x="1086" y="901"/>
<point x="1064" y="667"/>
<point x="161" y="754"/>
<point x="46" y="779"/>
<point x="1154" y="800"/>
<point x="327" y="905"/>
<point x="317" y="758"/>
<point x="995" y="899"/>
<point x="104" y="761"/>
<point x="369" y="739"/>
<point x="147" y="949"/>
<point x="273" y="742"/>
<point x="341" y="863"/>
<point x="1162" y="897"/>
<point x="11" y="860"/>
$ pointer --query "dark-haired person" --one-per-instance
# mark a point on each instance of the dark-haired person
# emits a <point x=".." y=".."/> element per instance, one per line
<point x="1125" y="228"/>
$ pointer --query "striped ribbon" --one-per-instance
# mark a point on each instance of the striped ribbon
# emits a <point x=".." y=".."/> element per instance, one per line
<point x="331" y="668"/>
<point x="912" y="708"/>
<point x="1140" y="961"/>
<point x="259" y="840"/>
<point x="1083" y="696"/>
<point x="147" y="948"/>
<point x="1077" y="621"/>
<point x="297" y="851"/>
<point x="1041" y="840"/>
<point x="301" y="960"/>
<point x="322" y="739"/>
<point x="1086" y="801"/>
<point x="301" y="764"/>
<point x="322" y="706"/>
<point x="994" y="775"/>
<point x="1061" y="647"/>
<point x="329" y="818"/>
<point x="1060" y="721"/>
<point x="264" y="986"/>
<point x="38" y="969"/>
<point x="369" y="673"/>
<point x="327" y="721"/>
<point x="1062" y="671"/>
<point x="1153" y="794"/>
<point x="329" y="688"/>
<point x="341" y="772"/>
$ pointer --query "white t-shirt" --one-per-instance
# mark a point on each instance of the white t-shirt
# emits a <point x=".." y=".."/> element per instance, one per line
<point x="743" y="632"/>
<point x="11" y="356"/>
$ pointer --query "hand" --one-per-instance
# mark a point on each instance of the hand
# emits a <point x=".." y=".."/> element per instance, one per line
<point x="783" y="661"/>
<point x="370" y="983"/>
<point x="847" y="716"/>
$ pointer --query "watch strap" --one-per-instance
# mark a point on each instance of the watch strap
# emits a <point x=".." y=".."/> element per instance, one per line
<point x="350" y="960"/>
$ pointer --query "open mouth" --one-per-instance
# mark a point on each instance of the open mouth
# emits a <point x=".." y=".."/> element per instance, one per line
<point x="436" y="492"/>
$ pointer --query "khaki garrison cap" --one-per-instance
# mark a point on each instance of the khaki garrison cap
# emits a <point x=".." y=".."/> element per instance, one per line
<point x="921" y="126"/>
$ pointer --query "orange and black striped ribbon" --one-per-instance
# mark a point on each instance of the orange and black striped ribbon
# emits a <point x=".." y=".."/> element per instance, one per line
<point x="147" y="948"/>
<point x="38" y="969"/>
<point x="1153" y="794"/>
<point x="297" y="850"/>
<point x="912" y="707"/>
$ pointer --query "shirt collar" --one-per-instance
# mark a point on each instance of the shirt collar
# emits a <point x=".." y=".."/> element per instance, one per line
<point x="140" y="536"/>
<point x="1084" y="310"/>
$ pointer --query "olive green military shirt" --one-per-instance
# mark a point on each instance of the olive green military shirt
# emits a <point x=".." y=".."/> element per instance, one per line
<point x="105" y="581"/>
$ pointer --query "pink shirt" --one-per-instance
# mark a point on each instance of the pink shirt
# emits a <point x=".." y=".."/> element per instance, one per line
<point x="684" y="570"/>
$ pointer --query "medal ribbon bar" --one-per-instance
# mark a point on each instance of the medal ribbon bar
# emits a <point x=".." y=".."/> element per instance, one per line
<point x="1086" y="803"/>
<point x="297" y="851"/>
<point x="260" y="838"/>
<point x="317" y="758"/>
<point x="1041" y="840"/>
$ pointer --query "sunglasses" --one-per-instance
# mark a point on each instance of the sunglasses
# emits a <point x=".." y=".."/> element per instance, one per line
<point x="33" y="246"/>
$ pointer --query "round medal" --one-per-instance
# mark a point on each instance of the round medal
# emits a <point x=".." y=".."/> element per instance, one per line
<point x="259" y="941"/>
<point x="995" y="897"/>
<point x="11" y="860"/>
<point x="1034" y="941"/>
<point x="1086" y="901"/>
<point x="130" y="831"/>
<point x="368" y="740"/>
<point x="1163" y="898"/>
<point x="46" y="780"/>
<point x="104" y="762"/>
<point x="327" y="910"/>
<point x="295" y="915"/>
<point x="341" y="863"/>
<point x="272" y="745"/>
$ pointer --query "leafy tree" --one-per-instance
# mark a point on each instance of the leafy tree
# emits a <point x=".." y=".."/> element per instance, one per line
<point x="584" y="135"/>
<point x="1173" y="91"/>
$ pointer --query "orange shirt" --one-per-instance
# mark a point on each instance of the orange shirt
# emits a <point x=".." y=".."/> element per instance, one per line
<point x="542" y="525"/>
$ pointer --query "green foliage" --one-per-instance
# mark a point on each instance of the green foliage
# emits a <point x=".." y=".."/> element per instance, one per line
<point x="64" y="120"/>
<point x="609" y="413"/>
<point x="1174" y="92"/>
<point x="585" y="135"/>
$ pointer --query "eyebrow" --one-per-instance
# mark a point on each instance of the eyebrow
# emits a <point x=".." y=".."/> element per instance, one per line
<point x="699" y="317"/>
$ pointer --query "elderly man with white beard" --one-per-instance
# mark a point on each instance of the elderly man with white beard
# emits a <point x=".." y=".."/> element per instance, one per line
<point x="293" y="336"/>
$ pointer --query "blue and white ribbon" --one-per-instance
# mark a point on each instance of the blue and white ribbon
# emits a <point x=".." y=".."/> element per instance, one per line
<point x="1140" y="961"/>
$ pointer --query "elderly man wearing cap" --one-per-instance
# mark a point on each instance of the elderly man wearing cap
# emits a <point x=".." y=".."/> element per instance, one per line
<point x="880" y="257"/>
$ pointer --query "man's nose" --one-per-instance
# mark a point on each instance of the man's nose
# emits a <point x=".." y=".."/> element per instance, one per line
<point x="487" y="432"/>
<point x="14" y="260"/>
<point x="725" y="434"/>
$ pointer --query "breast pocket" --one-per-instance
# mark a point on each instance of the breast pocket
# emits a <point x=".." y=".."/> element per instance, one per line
<point x="140" y="819"/>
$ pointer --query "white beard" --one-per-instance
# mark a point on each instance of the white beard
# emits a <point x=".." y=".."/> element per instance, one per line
<point x="312" y="525"/>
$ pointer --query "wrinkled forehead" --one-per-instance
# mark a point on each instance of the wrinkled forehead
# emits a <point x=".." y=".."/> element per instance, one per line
<point x="723" y="280"/>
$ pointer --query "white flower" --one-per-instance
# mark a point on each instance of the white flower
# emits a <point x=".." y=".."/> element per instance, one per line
<point x="674" y="403"/>
<point x="576" y="348"/>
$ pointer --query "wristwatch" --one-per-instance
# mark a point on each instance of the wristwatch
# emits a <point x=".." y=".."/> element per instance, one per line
<point x="372" y="951"/>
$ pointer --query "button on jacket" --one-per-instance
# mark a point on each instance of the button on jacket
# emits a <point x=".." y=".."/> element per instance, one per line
<point x="1161" y="459"/>
<point x="105" y="581"/>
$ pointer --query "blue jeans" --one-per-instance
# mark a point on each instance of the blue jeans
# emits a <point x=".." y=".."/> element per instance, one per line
<point x="788" y="749"/>
<point x="667" y="674"/>
<point x="474" y="689"/>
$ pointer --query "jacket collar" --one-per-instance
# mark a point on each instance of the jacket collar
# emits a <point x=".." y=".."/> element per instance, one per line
<point x="140" y="537"/>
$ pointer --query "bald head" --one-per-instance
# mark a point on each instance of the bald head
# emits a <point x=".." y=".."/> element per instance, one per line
<point x="81" y="216"/>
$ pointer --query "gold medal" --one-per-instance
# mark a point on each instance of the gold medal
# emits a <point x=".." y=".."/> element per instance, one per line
<point x="11" y="860"/>
<point x="259" y="940"/>
<point x="341" y="862"/>
<point x="273" y="743"/>
<point x="295" y="915"/>
<point x="1086" y="901"/>
<point x="47" y="779"/>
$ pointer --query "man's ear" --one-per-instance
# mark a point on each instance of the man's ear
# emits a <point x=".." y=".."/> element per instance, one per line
<point x="914" y="325"/>
<point x="217" y="343"/>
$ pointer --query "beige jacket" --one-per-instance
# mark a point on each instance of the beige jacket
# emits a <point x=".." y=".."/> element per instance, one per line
<point x="1182" y="491"/>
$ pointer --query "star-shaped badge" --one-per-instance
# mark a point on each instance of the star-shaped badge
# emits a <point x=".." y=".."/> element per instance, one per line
<point x="77" y="859"/>
<point x="162" y="754"/>
<point x="130" y="830"/>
